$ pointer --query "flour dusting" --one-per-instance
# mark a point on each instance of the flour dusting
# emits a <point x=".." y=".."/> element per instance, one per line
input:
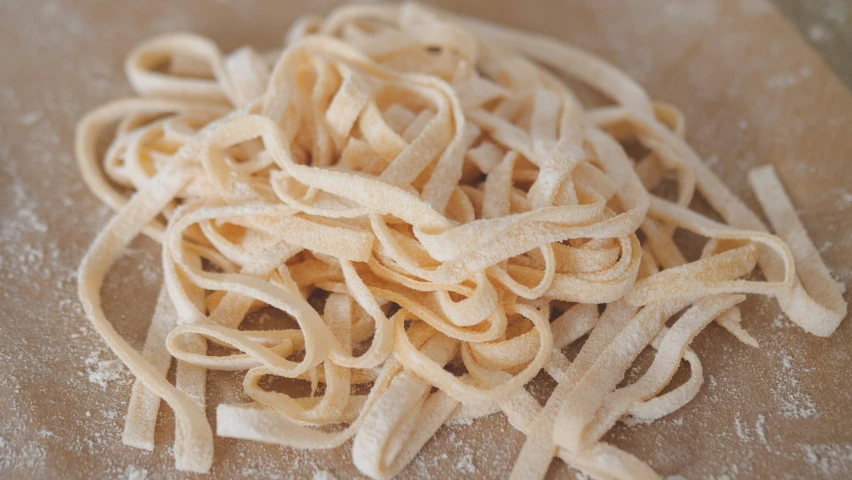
<point x="465" y="464"/>
<point x="787" y="392"/>
<point x="819" y="33"/>
<point x="760" y="429"/>
<point x="323" y="475"/>
<point x="102" y="372"/>
<point x="829" y="460"/>
<point x="135" y="473"/>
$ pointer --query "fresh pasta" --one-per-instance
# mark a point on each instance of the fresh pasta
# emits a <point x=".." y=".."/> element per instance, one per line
<point x="416" y="190"/>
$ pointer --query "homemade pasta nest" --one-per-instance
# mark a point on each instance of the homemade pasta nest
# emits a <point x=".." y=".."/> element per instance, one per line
<point x="442" y="198"/>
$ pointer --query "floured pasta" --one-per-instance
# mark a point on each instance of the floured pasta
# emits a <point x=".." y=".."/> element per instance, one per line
<point x="417" y="190"/>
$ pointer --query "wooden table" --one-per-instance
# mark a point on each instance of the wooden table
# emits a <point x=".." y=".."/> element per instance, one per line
<point x="752" y="90"/>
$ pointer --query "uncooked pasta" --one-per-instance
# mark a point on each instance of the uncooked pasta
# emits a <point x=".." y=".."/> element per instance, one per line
<point x="417" y="190"/>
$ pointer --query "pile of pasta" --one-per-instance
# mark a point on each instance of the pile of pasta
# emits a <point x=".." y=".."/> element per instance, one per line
<point x="431" y="204"/>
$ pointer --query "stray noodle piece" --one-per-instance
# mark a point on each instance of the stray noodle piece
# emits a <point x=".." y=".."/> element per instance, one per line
<point x="442" y="198"/>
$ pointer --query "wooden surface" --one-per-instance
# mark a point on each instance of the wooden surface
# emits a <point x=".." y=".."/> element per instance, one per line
<point x="827" y="26"/>
<point x="751" y="89"/>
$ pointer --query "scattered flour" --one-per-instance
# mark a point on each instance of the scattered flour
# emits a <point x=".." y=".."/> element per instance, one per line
<point x="760" y="429"/>
<point x="26" y="217"/>
<point x="784" y="80"/>
<point x="28" y="457"/>
<point x="631" y="421"/>
<point x="695" y="12"/>
<point x="781" y="81"/>
<point x="788" y="394"/>
<point x="780" y="321"/>
<point x="460" y="421"/>
<point x="712" y="160"/>
<point x="147" y="265"/>
<point x="465" y="464"/>
<point x="819" y="33"/>
<point x="742" y="429"/>
<point x="103" y="372"/>
<point x="845" y="200"/>
<point x="829" y="460"/>
<point x="135" y="473"/>
<point x="323" y="475"/>
<point x="730" y="472"/>
<point x="29" y="118"/>
<point x="837" y="12"/>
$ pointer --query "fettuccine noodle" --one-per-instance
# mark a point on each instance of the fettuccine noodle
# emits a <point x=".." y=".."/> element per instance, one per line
<point x="441" y="198"/>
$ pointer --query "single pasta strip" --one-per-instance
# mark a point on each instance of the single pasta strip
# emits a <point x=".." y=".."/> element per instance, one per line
<point x="666" y="361"/>
<point x="140" y="422"/>
<point x="814" y="276"/>
<point x="607" y="371"/>
<point x="601" y="460"/>
<point x="195" y="452"/>
<point x="539" y="449"/>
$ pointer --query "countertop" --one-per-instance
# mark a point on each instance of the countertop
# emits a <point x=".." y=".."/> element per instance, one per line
<point x="753" y="92"/>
